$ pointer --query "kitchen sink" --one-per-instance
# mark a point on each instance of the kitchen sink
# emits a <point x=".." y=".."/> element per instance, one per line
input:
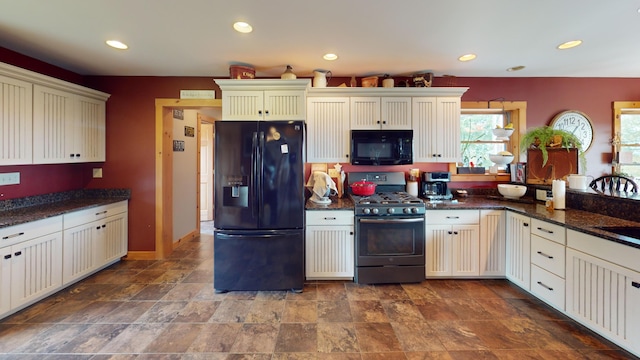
<point x="630" y="231"/>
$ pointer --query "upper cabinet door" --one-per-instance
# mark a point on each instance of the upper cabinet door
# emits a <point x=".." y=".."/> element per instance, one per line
<point x="365" y="113"/>
<point x="380" y="113"/>
<point x="263" y="105"/>
<point x="284" y="105"/>
<point x="396" y="113"/>
<point x="53" y="132"/>
<point x="328" y="135"/>
<point x="90" y="130"/>
<point x="16" y="97"/>
<point x="242" y="105"/>
<point x="436" y="125"/>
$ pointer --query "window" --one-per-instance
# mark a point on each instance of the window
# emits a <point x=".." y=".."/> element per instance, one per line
<point x="478" y="119"/>
<point x="626" y="140"/>
<point x="477" y="139"/>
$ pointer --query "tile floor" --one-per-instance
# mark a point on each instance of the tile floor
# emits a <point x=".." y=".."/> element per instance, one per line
<point x="168" y="310"/>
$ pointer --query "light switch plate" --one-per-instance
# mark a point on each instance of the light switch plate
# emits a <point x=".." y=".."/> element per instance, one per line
<point x="12" y="178"/>
<point x="541" y="195"/>
<point x="97" y="172"/>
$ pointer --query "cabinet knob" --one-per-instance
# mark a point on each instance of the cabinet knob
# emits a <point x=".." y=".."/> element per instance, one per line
<point x="635" y="284"/>
<point x="526" y="224"/>
<point x="266" y="112"/>
<point x="378" y="122"/>
<point x="8" y="256"/>
<point x="384" y="122"/>
<point x="260" y="112"/>
<point x="450" y="232"/>
<point x="18" y="253"/>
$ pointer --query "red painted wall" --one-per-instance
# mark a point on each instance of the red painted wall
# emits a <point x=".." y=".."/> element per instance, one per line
<point x="131" y="129"/>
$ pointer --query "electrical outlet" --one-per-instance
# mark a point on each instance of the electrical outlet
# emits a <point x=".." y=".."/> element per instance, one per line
<point x="97" y="173"/>
<point x="10" y="178"/>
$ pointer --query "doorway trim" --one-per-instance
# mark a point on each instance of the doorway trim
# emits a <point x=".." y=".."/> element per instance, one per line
<point x="164" y="168"/>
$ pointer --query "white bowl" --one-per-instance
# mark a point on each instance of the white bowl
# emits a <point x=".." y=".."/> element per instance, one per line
<point x="501" y="159"/>
<point x="502" y="134"/>
<point x="512" y="191"/>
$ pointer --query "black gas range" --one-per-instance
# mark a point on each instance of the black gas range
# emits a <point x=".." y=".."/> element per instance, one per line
<point x="389" y="231"/>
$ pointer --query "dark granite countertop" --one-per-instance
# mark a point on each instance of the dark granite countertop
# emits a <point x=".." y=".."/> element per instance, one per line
<point x="33" y="208"/>
<point x="579" y="220"/>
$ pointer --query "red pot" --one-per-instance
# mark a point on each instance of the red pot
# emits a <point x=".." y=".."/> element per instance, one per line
<point x="363" y="188"/>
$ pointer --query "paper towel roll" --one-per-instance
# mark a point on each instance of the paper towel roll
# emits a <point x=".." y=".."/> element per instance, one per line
<point x="558" y="191"/>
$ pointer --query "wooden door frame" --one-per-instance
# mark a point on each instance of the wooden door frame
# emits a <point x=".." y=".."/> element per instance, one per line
<point x="164" y="168"/>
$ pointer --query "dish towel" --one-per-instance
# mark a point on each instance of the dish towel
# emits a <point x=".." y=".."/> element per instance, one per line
<point x="323" y="184"/>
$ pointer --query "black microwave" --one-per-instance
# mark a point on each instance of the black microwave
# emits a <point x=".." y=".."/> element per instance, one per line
<point x="381" y="147"/>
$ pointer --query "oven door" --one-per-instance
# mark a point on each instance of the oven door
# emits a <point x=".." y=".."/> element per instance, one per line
<point x="390" y="241"/>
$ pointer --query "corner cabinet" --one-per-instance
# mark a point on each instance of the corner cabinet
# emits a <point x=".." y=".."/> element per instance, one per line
<point x="52" y="121"/>
<point x="329" y="248"/>
<point x="263" y="99"/>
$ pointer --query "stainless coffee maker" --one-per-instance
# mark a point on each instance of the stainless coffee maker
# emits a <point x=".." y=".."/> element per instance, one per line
<point x="434" y="186"/>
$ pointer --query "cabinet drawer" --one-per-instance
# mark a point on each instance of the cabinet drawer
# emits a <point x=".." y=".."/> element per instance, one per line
<point x="31" y="230"/>
<point x="548" y="255"/>
<point x="548" y="287"/>
<point x="456" y="217"/>
<point x="81" y="217"/>
<point x="329" y="217"/>
<point x="548" y="231"/>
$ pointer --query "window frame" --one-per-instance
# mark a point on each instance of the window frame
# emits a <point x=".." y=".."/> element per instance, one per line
<point x="620" y="107"/>
<point x="518" y="113"/>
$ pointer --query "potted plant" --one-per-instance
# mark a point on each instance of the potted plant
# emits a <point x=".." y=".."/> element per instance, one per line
<point x="545" y="137"/>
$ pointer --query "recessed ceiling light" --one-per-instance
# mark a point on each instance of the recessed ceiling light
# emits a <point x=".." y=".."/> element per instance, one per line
<point x="467" y="57"/>
<point x="569" y="44"/>
<point x="330" y="57"/>
<point x="516" y="68"/>
<point x="243" y="27"/>
<point x="117" y="44"/>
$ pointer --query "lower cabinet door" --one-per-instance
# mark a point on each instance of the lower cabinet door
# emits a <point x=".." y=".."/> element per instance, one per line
<point x="81" y="251"/>
<point x="5" y="279"/>
<point x="35" y="268"/>
<point x="329" y="252"/>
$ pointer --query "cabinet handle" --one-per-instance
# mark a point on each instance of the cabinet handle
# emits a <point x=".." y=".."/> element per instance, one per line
<point x="526" y="224"/>
<point x="434" y="155"/>
<point x="18" y="253"/>
<point x="347" y="156"/>
<point x="101" y="212"/>
<point x="545" y="255"/>
<point x="635" y="284"/>
<point x="455" y="233"/>
<point x="329" y="218"/>
<point x="104" y="226"/>
<point x="260" y="112"/>
<point x="384" y="122"/>
<point x="266" y="112"/>
<point x="439" y="155"/>
<point x="350" y="232"/>
<point x="6" y="257"/>
<point x="378" y="122"/>
<point x="98" y="227"/>
<point x="77" y="155"/>
<point x="453" y="217"/>
<point x="545" y="286"/>
<point x="12" y="235"/>
<point x="450" y="232"/>
<point x="545" y="230"/>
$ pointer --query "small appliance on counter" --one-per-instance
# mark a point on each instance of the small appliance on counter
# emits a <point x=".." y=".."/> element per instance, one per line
<point x="434" y="186"/>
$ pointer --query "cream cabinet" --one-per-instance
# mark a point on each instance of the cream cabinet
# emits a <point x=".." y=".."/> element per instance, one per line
<point x="263" y="99"/>
<point x="375" y="113"/>
<point x="452" y="243"/>
<point x="548" y="262"/>
<point x="436" y="129"/>
<point x="31" y="263"/>
<point x="47" y="121"/>
<point x="328" y="136"/>
<point x="67" y="127"/>
<point x="518" y="250"/>
<point x="16" y="121"/>
<point x="603" y="288"/>
<point x="329" y="245"/>
<point x="492" y="243"/>
<point x="93" y="239"/>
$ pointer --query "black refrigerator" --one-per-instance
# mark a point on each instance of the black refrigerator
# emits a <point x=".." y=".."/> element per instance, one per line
<point x="259" y="205"/>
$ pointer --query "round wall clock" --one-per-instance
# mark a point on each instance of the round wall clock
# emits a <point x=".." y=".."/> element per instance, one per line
<point x="577" y="123"/>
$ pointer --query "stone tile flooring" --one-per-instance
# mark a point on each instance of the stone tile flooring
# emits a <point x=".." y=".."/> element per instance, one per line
<point x="168" y="310"/>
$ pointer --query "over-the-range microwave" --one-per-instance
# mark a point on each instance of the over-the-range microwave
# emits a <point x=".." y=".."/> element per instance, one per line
<point x="381" y="147"/>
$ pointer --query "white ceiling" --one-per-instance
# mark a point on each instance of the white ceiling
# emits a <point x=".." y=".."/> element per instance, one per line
<point x="399" y="37"/>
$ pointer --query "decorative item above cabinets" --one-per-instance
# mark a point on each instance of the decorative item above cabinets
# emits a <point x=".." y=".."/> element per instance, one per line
<point x="41" y="103"/>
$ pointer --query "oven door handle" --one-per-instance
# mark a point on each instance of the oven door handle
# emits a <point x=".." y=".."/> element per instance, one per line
<point x="391" y="221"/>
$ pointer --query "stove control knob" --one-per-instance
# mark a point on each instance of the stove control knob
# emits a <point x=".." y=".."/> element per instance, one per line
<point x="406" y="210"/>
<point x="391" y="210"/>
<point x="374" y="210"/>
<point x="414" y="210"/>
<point x="366" y="211"/>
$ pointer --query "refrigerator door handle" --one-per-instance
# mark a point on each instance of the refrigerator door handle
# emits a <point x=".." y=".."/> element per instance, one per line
<point x="254" y="175"/>
<point x="259" y="173"/>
